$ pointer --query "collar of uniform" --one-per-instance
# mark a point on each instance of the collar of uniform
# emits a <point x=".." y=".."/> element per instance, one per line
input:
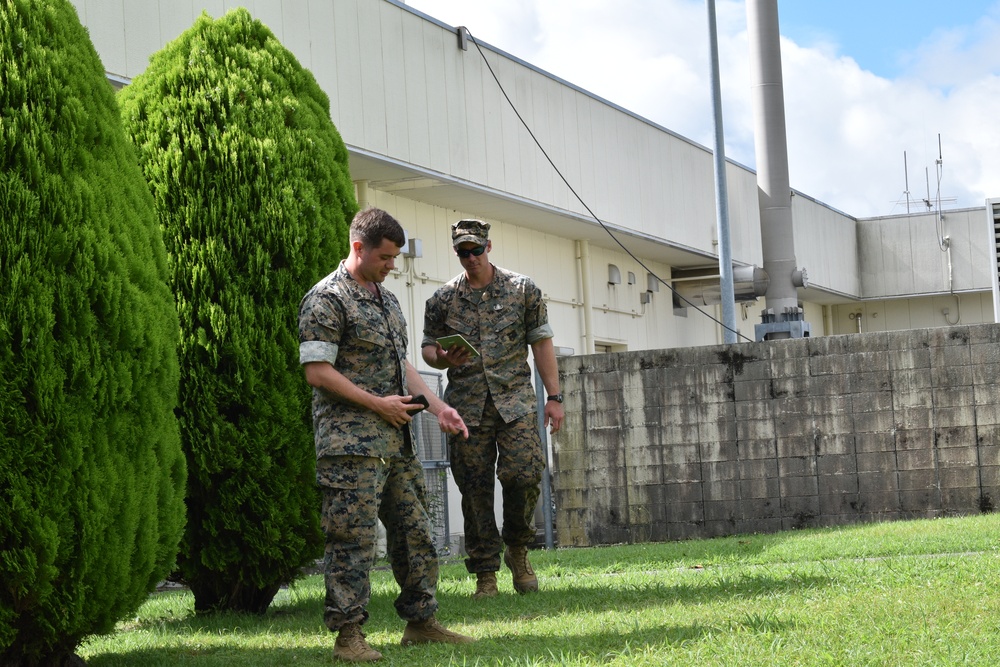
<point x="357" y="288"/>
<point x="464" y="288"/>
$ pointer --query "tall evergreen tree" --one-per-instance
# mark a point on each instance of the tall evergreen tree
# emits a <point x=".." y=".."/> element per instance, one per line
<point x="92" y="474"/>
<point x="252" y="187"/>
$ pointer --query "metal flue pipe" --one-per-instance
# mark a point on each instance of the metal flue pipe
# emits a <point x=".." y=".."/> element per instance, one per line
<point x="771" y="149"/>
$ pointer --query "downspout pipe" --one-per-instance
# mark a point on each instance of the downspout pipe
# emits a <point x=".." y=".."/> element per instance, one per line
<point x="583" y="257"/>
<point x="362" y="187"/>
<point x="773" y="190"/>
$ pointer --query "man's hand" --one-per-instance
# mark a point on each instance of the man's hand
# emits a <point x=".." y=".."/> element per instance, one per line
<point x="554" y="415"/>
<point x="396" y="409"/>
<point x="456" y="355"/>
<point x="452" y="422"/>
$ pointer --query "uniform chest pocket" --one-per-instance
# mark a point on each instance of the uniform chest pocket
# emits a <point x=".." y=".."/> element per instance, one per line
<point x="460" y="326"/>
<point x="507" y="319"/>
<point x="371" y="337"/>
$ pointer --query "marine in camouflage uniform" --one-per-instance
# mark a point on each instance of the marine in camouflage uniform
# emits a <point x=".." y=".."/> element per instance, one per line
<point x="501" y="313"/>
<point x="353" y="331"/>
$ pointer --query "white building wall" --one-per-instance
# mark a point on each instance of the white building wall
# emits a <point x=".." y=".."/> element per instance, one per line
<point x="906" y="256"/>
<point x="911" y="313"/>
<point x="826" y="244"/>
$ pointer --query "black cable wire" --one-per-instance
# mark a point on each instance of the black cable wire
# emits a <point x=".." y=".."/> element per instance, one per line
<point x="583" y="203"/>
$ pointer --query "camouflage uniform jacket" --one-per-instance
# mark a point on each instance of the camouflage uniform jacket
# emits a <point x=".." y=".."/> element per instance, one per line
<point x="342" y="323"/>
<point x="510" y="317"/>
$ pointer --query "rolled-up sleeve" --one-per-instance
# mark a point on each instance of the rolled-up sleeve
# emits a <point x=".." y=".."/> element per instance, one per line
<point x="540" y="333"/>
<point x="317" y="350"/>
<point x="320" y="324"/>
<point x="536" y="318"/>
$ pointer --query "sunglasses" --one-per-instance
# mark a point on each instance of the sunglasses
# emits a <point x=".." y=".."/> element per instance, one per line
<point x="471" y="252"/>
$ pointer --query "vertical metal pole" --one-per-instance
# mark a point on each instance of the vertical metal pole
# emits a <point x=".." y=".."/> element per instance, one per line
<point x="546" y="478"/>
<point x="906" y="181"/>
<point x="721" y="191"/>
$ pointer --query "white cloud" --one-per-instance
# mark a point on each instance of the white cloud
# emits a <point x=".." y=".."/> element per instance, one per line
<point x="847" y="128"/>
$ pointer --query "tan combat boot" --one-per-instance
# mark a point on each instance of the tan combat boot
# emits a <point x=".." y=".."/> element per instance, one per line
<point x="430" y="630"/>
<point x="516" y="559"/>
<point x="352" y="647"/>
<point x="486" y="585"/>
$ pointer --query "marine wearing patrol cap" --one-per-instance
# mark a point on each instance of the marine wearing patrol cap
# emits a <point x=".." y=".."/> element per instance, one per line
<point x="470" y="231"/>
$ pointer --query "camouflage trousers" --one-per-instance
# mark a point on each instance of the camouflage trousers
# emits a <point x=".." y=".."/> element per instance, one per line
<point x="356" y="491"/>
<point x="513" y="452"/>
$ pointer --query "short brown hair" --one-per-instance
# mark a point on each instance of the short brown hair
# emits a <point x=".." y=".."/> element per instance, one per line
<point x="372" y="225"/>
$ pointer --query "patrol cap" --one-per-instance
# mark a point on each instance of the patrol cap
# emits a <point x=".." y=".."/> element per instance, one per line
<point x="470" y="231"/>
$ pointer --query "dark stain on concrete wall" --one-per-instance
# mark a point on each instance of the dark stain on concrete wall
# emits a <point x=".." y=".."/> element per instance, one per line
<point x="762" y="437"/>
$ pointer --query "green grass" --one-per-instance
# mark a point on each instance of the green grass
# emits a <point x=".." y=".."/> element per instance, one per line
<point x="903" y="593"/>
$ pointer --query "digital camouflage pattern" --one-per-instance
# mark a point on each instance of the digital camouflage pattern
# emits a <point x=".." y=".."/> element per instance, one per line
<point x="357" y="490"/>
<point x="366" y="468"/>
<point x="495" y="396"/>
<point x="342" y="323"/>
<point x="510" y="316"/>
<point x="516" y="449"/>
<point x="470" y="231"/>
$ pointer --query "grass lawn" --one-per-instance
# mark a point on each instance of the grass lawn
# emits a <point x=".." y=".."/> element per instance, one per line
<point x="904" y="593"/>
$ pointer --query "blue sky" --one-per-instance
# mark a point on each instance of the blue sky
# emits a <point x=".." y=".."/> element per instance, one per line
<point x="865" y="82"/>
<point x="882" y="36"/>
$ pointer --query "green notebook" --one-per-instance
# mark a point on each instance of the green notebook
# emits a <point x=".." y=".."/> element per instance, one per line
<point x="447" y="342"/>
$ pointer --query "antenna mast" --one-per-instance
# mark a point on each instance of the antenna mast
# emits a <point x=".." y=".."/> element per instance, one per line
<point x="943" y="240"/>
<point x="933" y="201"/>
<point x="906" y="183"/>
<point x="940" y="169"/>
<point x="927" y="200"/>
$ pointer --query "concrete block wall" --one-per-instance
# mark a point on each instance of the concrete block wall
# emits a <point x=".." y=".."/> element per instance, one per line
<point x="763" y="437"/>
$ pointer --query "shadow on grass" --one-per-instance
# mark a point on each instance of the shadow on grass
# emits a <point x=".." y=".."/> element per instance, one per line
<point x="257" y="657"/>
<point x="591" y="596"/>
<point x="302" y="605"/>
<point x="519" y="648"/>
<point x="572" y="647"/>
<point x="299" y="610"/>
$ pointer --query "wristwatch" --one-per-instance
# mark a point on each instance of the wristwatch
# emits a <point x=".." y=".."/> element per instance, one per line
<point x="554" y="397"/>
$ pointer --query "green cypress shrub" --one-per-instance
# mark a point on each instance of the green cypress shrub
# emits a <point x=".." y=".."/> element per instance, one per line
<point x="92" y="474"/>
<point x="252" y="187"/>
